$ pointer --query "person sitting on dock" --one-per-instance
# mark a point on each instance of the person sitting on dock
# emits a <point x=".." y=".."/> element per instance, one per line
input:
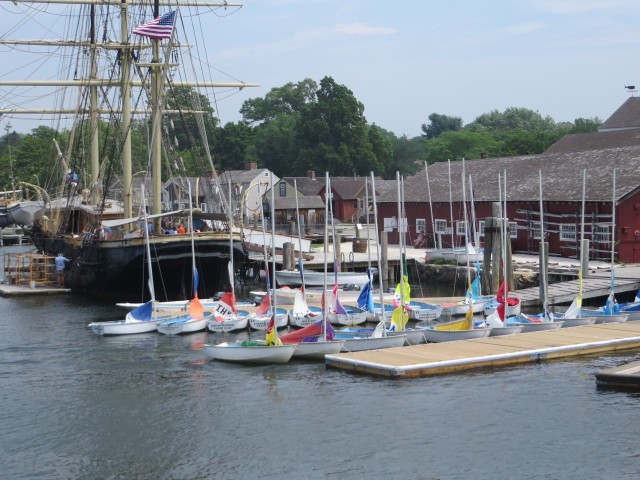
<point x="61" y="261"/>
<point x="420" y="241"/>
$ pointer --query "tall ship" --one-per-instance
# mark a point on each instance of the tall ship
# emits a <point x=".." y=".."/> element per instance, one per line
<point x="136" y="106"/>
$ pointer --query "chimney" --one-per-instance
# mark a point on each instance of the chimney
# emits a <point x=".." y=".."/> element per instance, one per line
<point x="311" y="174"/>
<point x="250" y="166"/>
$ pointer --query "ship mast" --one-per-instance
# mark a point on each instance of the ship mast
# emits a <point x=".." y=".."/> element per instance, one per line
<point x="125" y="83"/>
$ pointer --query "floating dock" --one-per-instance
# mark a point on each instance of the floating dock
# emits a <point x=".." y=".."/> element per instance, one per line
<point x="452" y="357"/>
<point x="622" y="376"/>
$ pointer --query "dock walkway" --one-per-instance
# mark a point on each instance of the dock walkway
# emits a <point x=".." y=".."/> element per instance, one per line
<point x="597" y="284"/>
<point x="451" y="357"/>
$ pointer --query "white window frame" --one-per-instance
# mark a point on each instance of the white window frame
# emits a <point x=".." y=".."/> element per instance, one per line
<point x="421" y="224"/>
<point x="536" y="231"/>
<point x="513" y="229"/>
<point x="203" y="207"/>
<point x="568" y="232"/>
<point x="440" y="226"/>
<point x="481" y="228"/>
<point x="389" y="224"/>
<point x="601" y="233"/>
<point x="461" y="228"/>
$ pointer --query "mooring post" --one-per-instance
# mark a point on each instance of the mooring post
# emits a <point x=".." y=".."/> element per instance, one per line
<point x="543" y="266"/>
<point x="384" y="257"/>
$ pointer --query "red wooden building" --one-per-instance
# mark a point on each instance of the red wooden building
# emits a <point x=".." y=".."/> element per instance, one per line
<point x="562" y="169"/>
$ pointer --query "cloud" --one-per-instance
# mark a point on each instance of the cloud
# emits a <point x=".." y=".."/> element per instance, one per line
<point x="307" y="38"/>
<point x="567" y="7"/>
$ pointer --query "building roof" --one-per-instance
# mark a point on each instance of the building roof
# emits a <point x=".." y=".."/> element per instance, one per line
<point x="581" y="142"/>
<point x="304" y="203"/>
<point x="627" y="116"/>
<point x="307" y="185"/>
<point x="244" y="177"/>
<point x="561" y="177"/>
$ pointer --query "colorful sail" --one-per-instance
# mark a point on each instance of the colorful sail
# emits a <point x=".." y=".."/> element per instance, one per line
<point x="227" y="304"/>
<point x="196" y="310"/>
<point x="474" y="289"/>
<point x="365" y="299"/>
<point x="402" y="292"/>
<point x="334" y="302"/>
<point x="399" y="319"/>
<point x="271" y="335"/>
<point x="265" y="305"/>
<point x="575" y="308"/>
<point x="309" y="333"/>
<point x="500" y="297"/>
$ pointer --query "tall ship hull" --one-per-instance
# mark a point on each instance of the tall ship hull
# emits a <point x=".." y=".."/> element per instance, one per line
<point x="116" y="268"/>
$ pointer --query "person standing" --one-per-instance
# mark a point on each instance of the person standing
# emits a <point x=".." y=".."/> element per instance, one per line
<point x="61" y="261"/>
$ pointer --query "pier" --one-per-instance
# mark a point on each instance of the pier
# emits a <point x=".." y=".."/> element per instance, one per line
<point x="598" y="284"/>
<point x="452" y="357"/>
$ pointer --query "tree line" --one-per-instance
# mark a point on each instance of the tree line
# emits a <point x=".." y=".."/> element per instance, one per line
<point x="292" y="129"/>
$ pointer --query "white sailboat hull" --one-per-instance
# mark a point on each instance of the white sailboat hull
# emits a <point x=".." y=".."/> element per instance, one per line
<point x="349" y="319"/>
<point x="317" y="350"/>
<point x="262" y="322"/>
<point x="239" y="352"/>
<point x="317" y="279"/>
<point x="169" y="327"/>
<point x="623" y="317"/>
<point x="538" y="327"/>
<point x="578" y="321"/>
<point x="373" y="343"/>
<point x="437" y="336"/>
<point x="123" y="327"/>
<point x="509" y="330"/>
<point x="315" y="314"/>
<point x="229" y="324"/>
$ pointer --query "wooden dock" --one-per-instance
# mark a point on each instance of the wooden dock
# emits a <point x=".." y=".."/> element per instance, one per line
<point x="451" y="357"/>
<point x="596" y="285"/>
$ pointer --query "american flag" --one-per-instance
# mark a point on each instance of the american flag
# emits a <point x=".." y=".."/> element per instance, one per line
<point x="158" y="28"/>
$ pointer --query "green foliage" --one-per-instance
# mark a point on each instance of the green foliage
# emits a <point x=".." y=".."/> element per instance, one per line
<point x="438" y="124"/>
<point x="286" y="100"/>
<point x="512" y="118"/>
<point x="462" y="144"/>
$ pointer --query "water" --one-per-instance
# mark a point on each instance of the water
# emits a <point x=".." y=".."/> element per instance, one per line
<point x="75" y="405"/>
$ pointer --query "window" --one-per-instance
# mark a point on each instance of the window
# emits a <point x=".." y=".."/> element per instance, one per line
<point x="461" y="228"/>
<point x="203" y="207"/>
<point x="403" y="225"/>
<point x="389" y="224"/>
<point x="441" y="226"/>
<point x="513" y="229"/>
<point x="421" y="224"/>
<point x="283" y="189"/>
<point x="568" y="233"/>
<point x="601" y="234"/>
<point x="481" y="228"/>
<point x="535" y="230"/>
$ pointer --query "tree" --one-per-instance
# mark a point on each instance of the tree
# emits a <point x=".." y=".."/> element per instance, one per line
<point x="440" y="123"/>
<point x="232" y="144"/>
<point x="513" y="118"/>
<point x="585" y="125"/>
<point x="332" y="133"/>
<point x="462" y="144"/>
<point x="286" y="100"/>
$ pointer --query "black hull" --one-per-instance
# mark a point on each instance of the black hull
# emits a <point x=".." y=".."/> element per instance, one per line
<point x="118" y="269"/>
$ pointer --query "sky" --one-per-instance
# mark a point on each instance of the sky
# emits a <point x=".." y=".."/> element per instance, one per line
<point x="405" y="60"/>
